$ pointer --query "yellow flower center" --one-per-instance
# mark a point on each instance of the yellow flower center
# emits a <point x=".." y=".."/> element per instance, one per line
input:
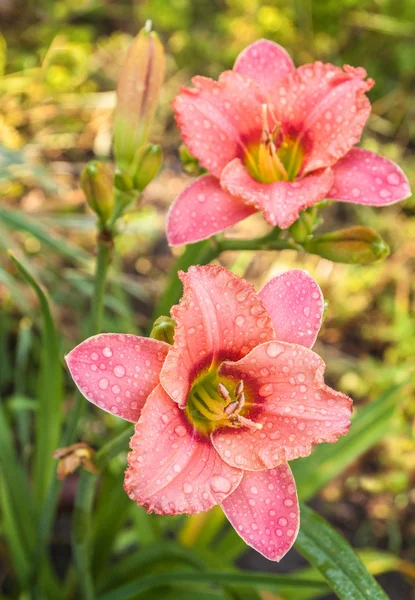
<point x="276" y="157"/>
<point x="217" y="401"/>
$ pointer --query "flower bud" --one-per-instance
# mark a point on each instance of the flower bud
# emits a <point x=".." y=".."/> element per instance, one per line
<point x="122" y="181"/>
<point x="356" y="245"/>
<point x="148" y="167"/>
<point x="97" y="182"/>
<point x="190" y="163"/>
<point x="163" y="329"/>
<point x="138" y="91"/>
<point x="303" y="226"/>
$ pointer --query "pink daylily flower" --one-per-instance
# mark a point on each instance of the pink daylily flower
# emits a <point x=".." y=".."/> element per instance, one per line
<point x="220" y="412"/>
<point x="276" y="139"/>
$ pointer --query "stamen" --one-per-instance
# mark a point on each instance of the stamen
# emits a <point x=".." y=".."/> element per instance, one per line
<point x="241" y="400"/>
<point x="223" y="391"/>
<point x="239" y="388"/>
<point x="240" y="421"/>
<point x="231" y="408"/>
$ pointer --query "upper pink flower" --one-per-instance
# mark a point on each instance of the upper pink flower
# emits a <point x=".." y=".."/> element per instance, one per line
<point x="276" y="139"/>
<point x="220" y="412"/>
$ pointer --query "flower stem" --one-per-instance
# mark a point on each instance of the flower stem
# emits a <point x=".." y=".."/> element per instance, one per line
<point x="105" y="246"/>
<point x="202" y="253"/>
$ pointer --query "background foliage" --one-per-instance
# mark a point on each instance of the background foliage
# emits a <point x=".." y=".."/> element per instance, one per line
<point x="59" y="63"/>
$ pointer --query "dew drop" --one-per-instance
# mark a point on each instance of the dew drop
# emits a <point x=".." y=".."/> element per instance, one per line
<point x="119" y="371"/>
<point x="240" y="320"/>
<point x="274" y="349"/>
<point x="107" y="352"/>
<point x="103" y="383"/>
<point x="393" y="179"/>
<point x="220" y="485"/>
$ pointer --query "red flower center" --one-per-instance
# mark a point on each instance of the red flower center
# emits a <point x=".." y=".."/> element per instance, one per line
<point x="276" y="156"/>
<point x="218" y="401"/>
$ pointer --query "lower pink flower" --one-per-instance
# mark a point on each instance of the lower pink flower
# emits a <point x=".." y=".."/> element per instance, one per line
<point x="220" y="412"/>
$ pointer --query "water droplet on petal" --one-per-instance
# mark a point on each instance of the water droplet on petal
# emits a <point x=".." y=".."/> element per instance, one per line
<point x="119" y="371"/>
<point x="107" y="352"/>
<point x="103" y="383"/>
<point x="274" y="349"/>
<point x="220" y="485"/>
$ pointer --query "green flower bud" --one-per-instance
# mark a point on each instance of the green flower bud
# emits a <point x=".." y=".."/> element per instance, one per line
<point x="303" y="226"/>
<point x="97" y="182"/>
<point x="122" y="181"/>
<point x="190" y="163"/>
<point x="138" y="91"/>
<point x="356" y="245"/>
<point x="148" y="167"/>
<point x="163" y="329"/>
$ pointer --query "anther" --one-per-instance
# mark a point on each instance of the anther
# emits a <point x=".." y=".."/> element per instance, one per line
<point x="241" y="400"/>
<point x="223" y="391"/>
<point x="239" y="388"/>
<point x="231" y="408"/>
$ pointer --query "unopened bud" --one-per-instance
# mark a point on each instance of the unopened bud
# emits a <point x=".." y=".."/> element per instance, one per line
<point x="97" y="182"/>
<point x="138" y="91"/>
<point x="190" y="163"/>
<point x="148" y="167"/>
<point x="123" y="181"/>
<point x="303" y="226"/>
<point x="163" y="329"/>
<point x="357" y="245"/>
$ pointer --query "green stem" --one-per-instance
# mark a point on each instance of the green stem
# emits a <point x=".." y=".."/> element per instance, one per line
<point x="81" y="533"/>
<point x="105" y="245"/>
<point x="202" y="253"/>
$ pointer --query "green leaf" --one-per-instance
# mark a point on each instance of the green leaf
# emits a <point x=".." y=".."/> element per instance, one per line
<point x="18" y="515"/>
<point x="19" y="221"/>
<point x="327" y="461"/>
<point x="200" y="253"/>
<point x="219" y="578"/>
<point x="333" y="556"/>
<point x="49" y="412"/>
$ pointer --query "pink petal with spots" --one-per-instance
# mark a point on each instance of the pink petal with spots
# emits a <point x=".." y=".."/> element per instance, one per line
<point x="364" y="177"/>
<point x="295" y="304"/>
<point x="264" y="511"/>
<point x="203" y="209"/>
<point x="171" y="470"/>
<point x="265" y="62"/>
<point x="281" y="201"/>
<point x="325" y="108"/>
<point x="117" y="371"/>
<point x="287" y="395"/>
<point x="216" y="119"/>
<point x="219" y="316"/>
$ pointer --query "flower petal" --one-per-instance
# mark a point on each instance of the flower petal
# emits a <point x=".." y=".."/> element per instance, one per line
<point x="216" y="118"/>
<point x="171" y="470"/>
<point x="264" y="511"/>
<point x="203" y="209"/>
<point x="364" y="177"/>
<point x="295" y="304"/>
<point x="219" y="316"/>
<point x="280" y="201"/>
<point x="290" y="400"/>
<point x="265" y="62"/>
<point x="117" y="371"/>
<point x="325" y="108"/>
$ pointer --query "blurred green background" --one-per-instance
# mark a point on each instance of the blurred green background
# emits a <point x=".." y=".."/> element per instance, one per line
<point x="59" y="63"/>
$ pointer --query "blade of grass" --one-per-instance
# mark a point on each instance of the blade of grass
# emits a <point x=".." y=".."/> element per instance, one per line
<point x="49" y="413"/>
<point x="23" y="417"/>
<point x="218" y="578"/>
<point x="18" y="513"/>
<point x="333" y="556"/>
<point x="19" y="221"/>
